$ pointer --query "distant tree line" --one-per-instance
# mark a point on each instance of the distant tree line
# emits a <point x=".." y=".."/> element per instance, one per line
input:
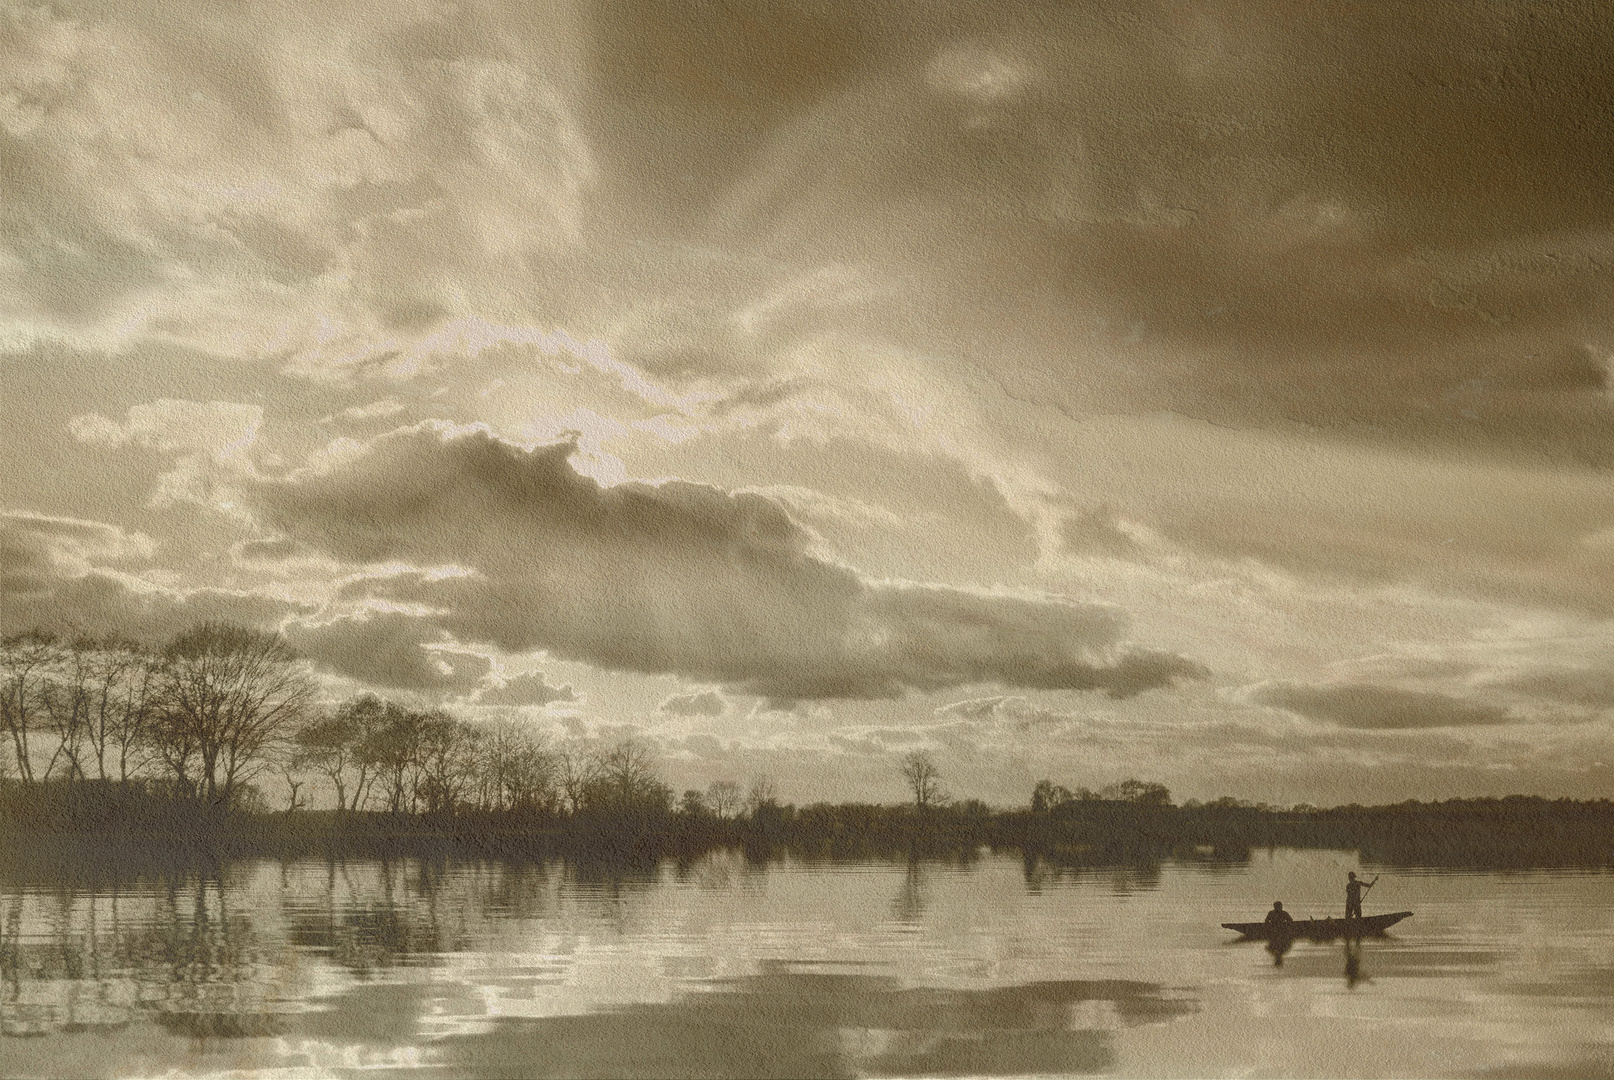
<point x="216" y="713"/>
<point x="107" y="741"/>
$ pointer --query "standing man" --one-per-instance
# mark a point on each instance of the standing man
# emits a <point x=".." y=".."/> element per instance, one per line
<point x="1353" y="894"/>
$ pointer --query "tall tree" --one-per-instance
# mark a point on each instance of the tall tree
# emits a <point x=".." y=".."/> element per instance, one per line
<point x="392" y="749"/>
<point x="626" y="781"/>
<point x="336" y="744"/>
<point x="763" y="793"/>
<point x="447" y="761"/>
<point x="923" y="778"/>
<point x="723" y="796"/>
<point x="231" y="695"/>
<point x="516" y="771"/>
<point x="576" y="769"/>
<point x="68" y="693"/>
<point x="125" y="697"/>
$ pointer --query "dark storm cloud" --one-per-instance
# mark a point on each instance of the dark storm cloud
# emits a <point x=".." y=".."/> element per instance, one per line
<point x="1382" y="214"/>
<point x="675" y="577"/>
<point x="1380" y="707"/>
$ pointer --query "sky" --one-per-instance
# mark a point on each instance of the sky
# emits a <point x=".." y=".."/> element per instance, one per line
<point x="1220" y="394"/>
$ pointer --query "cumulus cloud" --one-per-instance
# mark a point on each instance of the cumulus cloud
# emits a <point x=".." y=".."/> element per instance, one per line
<point x="209" y="439"/>
<point x="1362" y="705"/>
<point x="530" y="688"/>
<point x="676" y="577"/>
<point x="387" y="649"/>
<point x="697" y="703"/>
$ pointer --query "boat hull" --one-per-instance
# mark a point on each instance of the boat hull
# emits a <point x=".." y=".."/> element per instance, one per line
<point x="1318" y="929"/>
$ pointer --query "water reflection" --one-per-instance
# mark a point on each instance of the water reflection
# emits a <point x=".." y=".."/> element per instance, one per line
<point x="1353" y="962"/>
<point x="1042" y="871"/>
<point x="1281" y="947"/>
<point x="909" y="906"/>
<point x="191" y="963"/>
<point x="726" y="967"/>
<point x="815" y="1020"/>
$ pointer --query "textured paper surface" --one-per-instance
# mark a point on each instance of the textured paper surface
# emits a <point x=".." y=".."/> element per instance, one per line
<point x="1212" y="395"/>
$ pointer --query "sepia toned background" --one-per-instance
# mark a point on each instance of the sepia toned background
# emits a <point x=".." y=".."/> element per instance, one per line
<point x="1219" y="394"/>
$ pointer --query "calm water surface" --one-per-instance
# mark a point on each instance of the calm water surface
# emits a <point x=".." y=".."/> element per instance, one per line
<point x="722" y="968"/>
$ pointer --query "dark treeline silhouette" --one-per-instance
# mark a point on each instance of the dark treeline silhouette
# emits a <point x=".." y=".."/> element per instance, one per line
<point x="1137" y="820"/>
<point x="214" y="745"/>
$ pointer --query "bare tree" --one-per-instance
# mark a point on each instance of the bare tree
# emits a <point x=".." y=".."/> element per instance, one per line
<point x="294" y="801"/>
<point x="230" y="696"/>
<point x="1048" y="795"/>
<point x="517" y="771"/>
<point x="625" y="779"/>
<point x="1138" y="791"/>
<point x="723" y="796"/>
<point x="393" y="751"/>
<point x="126" y="697"/>
<point x="26" y="665"/>
<point x="762" y="793"/>
<point x="66" y="698"/>
<point x="448" y="757"/>
<point x="919" y="770"/>
<point x="576" y="770"/>
<point x="335" y="744"/>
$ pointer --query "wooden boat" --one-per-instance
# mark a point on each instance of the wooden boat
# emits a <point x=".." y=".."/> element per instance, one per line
<point x="1318" y="929"/>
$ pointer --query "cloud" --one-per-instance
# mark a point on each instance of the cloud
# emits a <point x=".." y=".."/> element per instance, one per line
<point x="529" y="688"/>
<point x="1380" y="707"/>
<point x="37" y="548"/>
<point x="1588" y="687"/>
<point x="220" y="429"/>
<point x="1099" y="531"/>
<point x="674" y="578"/>
<point x="98" y="603"/>
<point x="697" y="703"/>
<point x="72" y="576"/>
<point x="387" y="649"/>
<point x="210" y="439"/>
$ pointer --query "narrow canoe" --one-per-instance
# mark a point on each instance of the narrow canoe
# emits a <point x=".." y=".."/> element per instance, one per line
<point x="1319" y="929"/>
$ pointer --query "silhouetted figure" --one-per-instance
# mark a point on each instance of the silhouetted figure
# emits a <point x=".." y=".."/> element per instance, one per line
<point x="1278" y="919"/>
<point x="1353" y="894"/>
<point x="1279" y="940"/>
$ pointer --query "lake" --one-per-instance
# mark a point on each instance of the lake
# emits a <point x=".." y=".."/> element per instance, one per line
<point x="729" y="968"/>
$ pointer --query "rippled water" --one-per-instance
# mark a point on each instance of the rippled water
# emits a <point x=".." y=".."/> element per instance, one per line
<point x="724" y="968"/>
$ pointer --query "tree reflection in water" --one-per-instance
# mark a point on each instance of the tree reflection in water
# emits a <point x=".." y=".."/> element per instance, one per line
<point x="188" y="960"/>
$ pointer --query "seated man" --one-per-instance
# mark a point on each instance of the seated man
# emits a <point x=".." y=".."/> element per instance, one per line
<point x="1277" y="917"/>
